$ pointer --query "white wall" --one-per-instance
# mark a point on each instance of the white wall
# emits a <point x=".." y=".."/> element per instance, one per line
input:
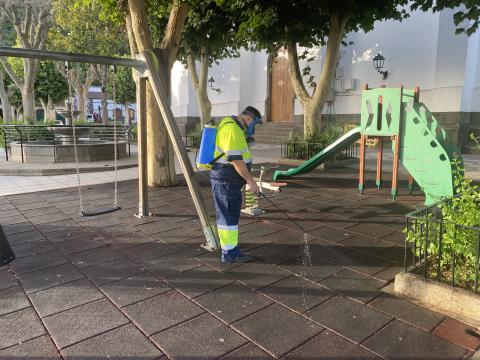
<point x="471" y="89"/>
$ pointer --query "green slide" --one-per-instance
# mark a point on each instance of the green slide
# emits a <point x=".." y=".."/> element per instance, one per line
<point x="427" y="154"/>
<point x="338" y="145"/>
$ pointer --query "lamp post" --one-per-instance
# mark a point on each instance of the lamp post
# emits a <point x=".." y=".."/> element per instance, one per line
<point x="378" y="62"/>
<point x="211" y="81"/>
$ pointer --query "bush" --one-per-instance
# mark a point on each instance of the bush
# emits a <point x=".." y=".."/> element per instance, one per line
<point x="459" y="241"/>
<point x="304" y="147"/>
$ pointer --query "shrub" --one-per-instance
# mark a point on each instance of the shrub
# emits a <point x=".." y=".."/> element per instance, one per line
<point x="459" y="241"/>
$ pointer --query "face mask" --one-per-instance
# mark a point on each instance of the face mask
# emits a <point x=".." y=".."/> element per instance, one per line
<point x="250" y="131"/>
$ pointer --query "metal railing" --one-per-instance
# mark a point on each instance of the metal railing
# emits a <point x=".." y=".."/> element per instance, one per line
<point x="430" y="248"/>
<point x="58" y="134"/>
<point x="304" y="150"/>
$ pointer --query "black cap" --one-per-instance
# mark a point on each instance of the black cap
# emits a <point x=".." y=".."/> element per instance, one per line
<point x="250" y="110"/>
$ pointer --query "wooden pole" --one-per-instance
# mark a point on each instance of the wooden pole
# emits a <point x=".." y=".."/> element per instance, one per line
<point x="160" y="95"/>
<point x="143" y="208"/>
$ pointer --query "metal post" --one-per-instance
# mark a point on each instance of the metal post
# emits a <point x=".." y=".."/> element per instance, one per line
<point x="379" y="162"/>
<point x="180" y="151"/>
<point x="143" y="209"/>
<point x="361" y="178"/>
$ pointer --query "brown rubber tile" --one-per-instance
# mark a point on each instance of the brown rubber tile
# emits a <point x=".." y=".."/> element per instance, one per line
<point x="277" y="329"/>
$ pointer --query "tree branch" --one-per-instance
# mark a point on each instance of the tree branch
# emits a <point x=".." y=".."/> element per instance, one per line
<point x="27" y="22"/>
<point x="204" y="62"/>
<point x="141" y="30"/>
<point x="173" y="32"/>
<point x="41" y="35"/>
<point x="8" y="68"/>
<point x="131" y="36"/>
<point x="295" y="74"/>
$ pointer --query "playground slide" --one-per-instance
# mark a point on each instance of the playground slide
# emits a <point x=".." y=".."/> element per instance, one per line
<point x="427" y="154"/>
<point x="341" y="143"/>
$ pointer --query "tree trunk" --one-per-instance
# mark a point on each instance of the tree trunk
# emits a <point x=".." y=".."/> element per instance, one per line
<point x="50" y="110"/>
<point x="160" y="155"/>
<point x="127" y="113"/>
<point x="45" y="109"/>
<point x="7" y="109"/>
<point x="312" y="105"/>
<point x="200" y="84"/>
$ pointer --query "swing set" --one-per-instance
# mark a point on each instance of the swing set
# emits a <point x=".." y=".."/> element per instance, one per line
<point x="147" y="68"/>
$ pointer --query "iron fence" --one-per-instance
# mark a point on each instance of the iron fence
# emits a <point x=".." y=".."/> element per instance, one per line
<point x="441" y="250"/>
<point x="303" y="150"/>
<point x="59" y="134"/>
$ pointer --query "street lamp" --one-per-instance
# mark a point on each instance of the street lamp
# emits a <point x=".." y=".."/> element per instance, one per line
<point x="211" y="81"/>
<point x="378" y="62"/>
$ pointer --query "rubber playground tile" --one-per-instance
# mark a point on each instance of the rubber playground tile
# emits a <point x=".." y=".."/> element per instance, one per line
<point x="176" y="235"/>
<point x="25" y="237"/>
<point x="396" y="238"/>
<point x="301" y="224"/>
<point x="116" y="230"/>
<point x="12" y="299"/>
<point x="248" y="351"/>
<point x="257" y="275"/>
<point x="349" y="318"/>
<point x="277" y="329"/>
<point x="32" y="248"/>
<point x="16" y="227"/>
<point x="317" y="269"/>
<point x="134" y="288"/>
<point x="297" y="294"/>
<point x="156" y="227"/>
<point x="40" y="212"/>
<point x="275" y="253"/>
<point x="78" y="245"/>
<point x="126" y="342"/>
<point x="285" y="237"/>
<point x="149" y="251"/>
<point x="366" y="244"/>
<point x="389" y="273"/>
<point x="207" y="338"/>
<point x="198" y="281"/>
<point x="125" y="241"/>
<point x="213" y="259"/>
<point x="46" y="278"/>
<point x="43" y="219"/>
<point x="455" y="331"/>
<point x="111" y="271"/>
<point x="38" y="348"/>
<point x="407" y="311"/>
<point x="354" y="285"/>
<point x="38" y="262"/>
<point x="396" y="254"/>
<point x="233" y="302"/>
<point x="328" y="345"/>
<point x="162" y="312"/>
<point x="83" y="322"/>
<point x="338" y="222"/>
<point x="171" y="265"/>
<point x="259" y="229"/>
<point x="369" y="229"/>
<point x="94" y="257"/>
<point x="64" y="297"/>
<point x="67" y="234"/>
<point x="365" y="264"/>
<point x="331" y="234"/>
<point x="19" y="326"/>
<point x="7" y="278"/>
<point x="402" y="341"/>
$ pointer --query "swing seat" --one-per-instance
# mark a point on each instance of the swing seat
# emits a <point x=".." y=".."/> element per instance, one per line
<point x="100" y="211"/>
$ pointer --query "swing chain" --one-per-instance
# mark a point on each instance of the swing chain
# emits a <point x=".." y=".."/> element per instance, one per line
<point x="115" y="140"/>
<point x="75" y="148"/>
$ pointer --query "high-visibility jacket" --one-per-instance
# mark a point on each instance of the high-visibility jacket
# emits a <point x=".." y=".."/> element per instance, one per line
<point x="232" y="143"/>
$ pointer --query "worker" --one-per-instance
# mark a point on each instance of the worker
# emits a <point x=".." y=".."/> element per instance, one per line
<point x="230" y="172"/>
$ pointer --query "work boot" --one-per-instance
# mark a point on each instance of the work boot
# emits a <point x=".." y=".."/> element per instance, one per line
<point x="235" y="256"/>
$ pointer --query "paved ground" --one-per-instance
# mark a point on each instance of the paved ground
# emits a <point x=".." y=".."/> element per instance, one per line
<point x="117" y="287"/>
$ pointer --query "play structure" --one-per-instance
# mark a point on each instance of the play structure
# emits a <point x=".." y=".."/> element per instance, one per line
<point x="418" y="143"/>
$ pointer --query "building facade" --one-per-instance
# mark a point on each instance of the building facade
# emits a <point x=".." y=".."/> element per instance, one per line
<point x="423" y="51"/>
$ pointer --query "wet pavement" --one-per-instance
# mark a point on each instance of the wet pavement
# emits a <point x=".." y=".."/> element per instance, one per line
<point x="118" y="287"/>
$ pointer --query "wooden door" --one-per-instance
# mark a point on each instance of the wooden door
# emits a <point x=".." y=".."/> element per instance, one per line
<point x="281" y="93"/>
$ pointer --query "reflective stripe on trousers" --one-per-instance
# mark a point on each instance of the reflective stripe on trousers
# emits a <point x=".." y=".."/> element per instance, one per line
<point x="228" y="203"/>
